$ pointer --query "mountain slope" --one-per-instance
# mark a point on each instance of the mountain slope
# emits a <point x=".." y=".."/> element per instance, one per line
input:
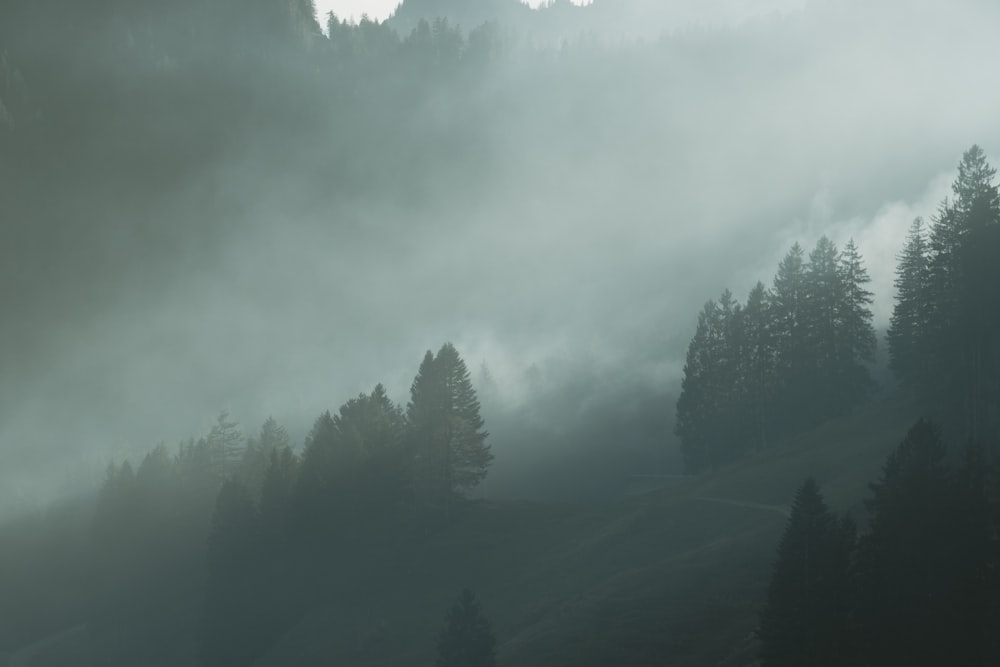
<point x="676" y="574"/>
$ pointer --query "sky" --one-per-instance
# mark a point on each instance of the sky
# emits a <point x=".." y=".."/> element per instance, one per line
<point x="678" y="12"/>
<point x="616" y="213"/>
<point x="375" y="9"/>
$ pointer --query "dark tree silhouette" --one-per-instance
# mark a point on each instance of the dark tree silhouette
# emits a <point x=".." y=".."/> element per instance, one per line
<point x="958" y="342"/>
<point x="908" y="325"/>
<point x="787" y="360"/>
<point x="467" y="640"/>
<point x="924" y="568"/>
<point x="806" y="618"/>
<point x="448" y="441"/>
<point x="259" y="449"/>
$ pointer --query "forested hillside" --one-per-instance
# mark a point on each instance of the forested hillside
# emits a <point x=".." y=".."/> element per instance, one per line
<point x="246" y="222"/>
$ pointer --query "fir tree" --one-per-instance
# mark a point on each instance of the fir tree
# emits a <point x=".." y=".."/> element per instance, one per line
<point x="908" y="325"/>
<point x="756" y="372"/>
<point x="449" y="443"/>
<point x="467" y="640"/>
<point x="856" y="339"/>
<point x="694" y="405"/>
<point x="821" y="329"/>
<point x="257" y="456"/>
<point x="224" y="445"/>
<point x="234" y="630"/>
<point x="806" y="618"/>
<point x="904" y="560"/>
<point x="792" y="355"/>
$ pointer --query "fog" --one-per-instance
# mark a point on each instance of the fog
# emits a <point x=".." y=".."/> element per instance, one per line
<point x="601" y="212"/>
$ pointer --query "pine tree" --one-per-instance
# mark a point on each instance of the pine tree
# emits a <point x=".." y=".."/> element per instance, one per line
<point x="821" y="328"/>
<point x="729" y="406"/>
<point x="692" y="424"/>
<point x="370" y="425"/>
<point x="467" y="640"/>
<point x="961" y="344"/>
<point x="257" y="455"/>
<point x="904" y="559"/>
<point x="806" y="618"/>
<point x="791" y="346"/>
<point x="908" y="325"/>
<point x="449" y="444"/>
<point x="856" y="339"/>
<point x="234" y="631"/>
<point x="371" y="430"/>
<point x="757" y="364"/>
<point x="224" y="445"/>
<point x="276" y="493"/>
<point x="317" y="475"/>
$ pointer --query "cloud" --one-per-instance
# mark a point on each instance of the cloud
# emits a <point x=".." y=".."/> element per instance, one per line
<point x="605" y="194"/>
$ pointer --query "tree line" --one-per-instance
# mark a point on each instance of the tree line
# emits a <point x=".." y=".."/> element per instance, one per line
<point x="920" y="587"/>
<point x="944" y="335"/>
<point x="792" y="356"/>
<point x="286" y="527"/>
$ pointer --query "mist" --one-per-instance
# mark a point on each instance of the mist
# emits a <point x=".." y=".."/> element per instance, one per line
<point x="602" y="200"/>
<point x="561" y="333"/>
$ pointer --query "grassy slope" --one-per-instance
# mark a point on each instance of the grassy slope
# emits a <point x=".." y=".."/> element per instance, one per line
<point x="674" y="576"/>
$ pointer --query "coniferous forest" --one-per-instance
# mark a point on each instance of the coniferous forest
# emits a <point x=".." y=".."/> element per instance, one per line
<point x="248" y="220"/>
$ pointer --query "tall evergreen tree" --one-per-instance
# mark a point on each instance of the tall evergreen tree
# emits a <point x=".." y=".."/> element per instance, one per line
<point x="908" y="325"/>
<point x="910" y="560"/>
<point x="756" y="372"/>
<point x="234" y="630"/>
<point x="467" y="640"/>
<point x="792" y="355"/>
<point x="856" y="339"/>
<point x="806" y="619"/>
<point x="224" y="445"/>
<point x="449" y="443"/>
<point x="694" y="405"/>
<point x="821" y="329"/>
<point x="962" y="337"/>
<point x="272" y="437"/>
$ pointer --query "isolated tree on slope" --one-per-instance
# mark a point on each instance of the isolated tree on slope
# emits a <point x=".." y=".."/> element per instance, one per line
<point x="925" y="570"/>
<point x="467" y="640"/>
<point x="446" y="430"/>
<point x="805" y="619"/>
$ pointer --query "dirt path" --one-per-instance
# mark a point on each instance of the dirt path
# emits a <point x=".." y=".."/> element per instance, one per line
<point x="780" y="509"/>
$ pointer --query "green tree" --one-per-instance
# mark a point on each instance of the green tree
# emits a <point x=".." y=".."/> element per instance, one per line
<point x="692" y="424"/>
<point x="234" y="630"/>
<point x="277" y="492"/>
<point x="224" y="446"/>
<point x="319" y="474"/>
<point x="467" y="640"/>
<point x="912" y="561"/>
<point x="756" y="360"/>
<point x="963" y="328"/>
<point x="820" y="330"/>
<point x="908" y="324"/>
<point x="806" y="618"/>
<point x="856" y="338"/>
<point x="450" y="451"/>
<point x="792" y="355"/>
<point x="257" y="456"/>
